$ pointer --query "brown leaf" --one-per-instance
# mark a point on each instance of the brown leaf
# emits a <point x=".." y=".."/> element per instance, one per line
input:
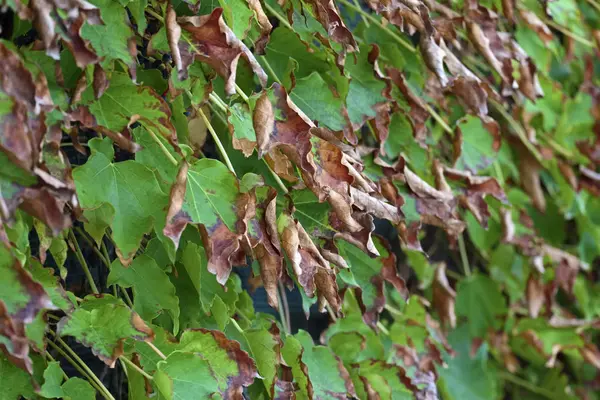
<point x="264" y="25"/>
<point x="529" y="170"/>
<point x="263" y="121"/>
<point x="534" y="295"/>
<point x="101" y="83"/>
<point x="15" y="314"/>
<point x="75" y="13"/>
<point x="223" y="249"/>
<point x="327" y="14"/>
<point x="177" y="220"/>
<point x="433" y="56"/>
<point x="327" y="290"/>
<point x="536" y="24"/>
<point x="444" y="297"/>
<point x="173" y="37"/>
<point x="216" y="44"/>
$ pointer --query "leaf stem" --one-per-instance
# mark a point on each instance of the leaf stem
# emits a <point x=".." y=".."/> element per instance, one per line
<point x="216" y="100"/>
<point x="377" y="22"/>
<point x="241" y="93"/>
<point x="138" y="369"/>
<point x="518" y="129"/>
<point x="126" y="296"/>
<point x="525" y="384"/>
<point x="82" y="364"/>
<point x="213" y="133"/>
<point x="330" y="311"/>
<point x="393" y="310"/>
<point x="383" y="329"/>
<point x="77" y="367"/>
<point x="162" y="146"/>
<point x="364" y="18"/>
<point x="278" y="16"/>
<point x="155" y="14"/>
<point x="438" y="118"/>
<point x="90" y="243"/>
<point x="270" y="69"/>
<point x="156" y="350"/>
<point x="568" y="33"/>
<point x="463" y="255"/>
<point x="83" y="263"/>
<point x="285" y="309"/>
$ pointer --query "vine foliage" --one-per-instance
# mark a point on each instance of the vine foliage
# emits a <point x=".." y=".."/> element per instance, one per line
<point x="160" y="144"/>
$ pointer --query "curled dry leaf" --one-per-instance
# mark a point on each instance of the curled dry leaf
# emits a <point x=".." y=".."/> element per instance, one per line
<point x="213" y="42"/>
<point x="327" y="14"/>
<point x="263" y="121"/>
<point x="535" y="295"/>
<point x="173" y="37"/>
<point x="263" y="23"/>
<point x="444" y="297"/>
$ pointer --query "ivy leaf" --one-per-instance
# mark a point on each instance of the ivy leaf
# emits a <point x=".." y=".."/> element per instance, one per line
<point x="366" y="89"/>
<point x="385" y="379"/>
<point x="51" y="285"/>
<point x="185" y="376"/>
<point x="14" y="381"/>
<point x="329" y="378"/>
<point x="238" y="16"/>
<point x="103" y="323"/>
<point x="315" y="98"/>
<point x="124" y="100"/>
<point x="240" y="123"/>
<point x="128" y="187"/>
<point x="265" y="349"/>
<point x="78" y="389"/>
<point x="231" y="367"/>
<point x="479" y="299"/>
<point x="466" y="377"/>
<point x="477" y="145"/>
<point x="110" y="38"/>
<point x="152" y="289"/>
<point x="53" y="377"/>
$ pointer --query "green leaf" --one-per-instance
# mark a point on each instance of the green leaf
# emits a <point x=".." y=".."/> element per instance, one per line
<point x="315" y="98"/>
<point x="153" y="292"/>
<point x="53" y="377"/>
<point x="238" y="16"/>
<point x="185" y="376"/>
<point x="14" y="381"/>
<point x="292" y="354"/>
<point x="264" y="347"/>
<point x="211" y="192"/>
<point x="208" y="288"/>
<point x="231" y="366"/>
<point x="328" y="376"/>
<point x="477" y="150"/>
<point x="78" y="389"/>
<point x="385" y="379"/>
<point x="163" y="341"/>
<point x="50" y="283"/>
<point x="103" y="323"/>
<point x="479" y="299"/>
<point x="365" y="89"/>
<point x="137" y="8"/>
<point x="401" y="142"/>
<point x="109" y="39"/>
<point x="123" y="99"/>
<point x="129" y="188"/>
<point x="466" y="377"/>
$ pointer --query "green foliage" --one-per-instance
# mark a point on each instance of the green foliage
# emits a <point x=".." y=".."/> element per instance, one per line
<point x="156" y="145"/>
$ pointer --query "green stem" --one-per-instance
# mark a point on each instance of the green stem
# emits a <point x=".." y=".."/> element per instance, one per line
<point x="526" y="385"/>
<point x="285" y="309"/>
<point x="214" y="135"/>
<point x="241" y="93"/>
<point x="518" y="129"/>
<point x="364" y="18"/>
<point x="278" y="16"/>
<point x="127" y="298"/>
<point x="83" y="263"/>
<point x="438" y="118"/>
<point x="216" y="100"/>
<point x="393" y="310"/>
<point x="568" y="33"/>
<point x="90" y="243"/>
<point x="594" y="4"/>
<point x="155" y="14"/>
<point x="270" y="69"/>
<point x="162" y="146"/>
<point x="156" y="350"/>
<point x="383" y="329"/>
<point x="78" y="368"/>
<point x="83" y="365"/>
<point x="244" y="316"/>
<point x="463" y="255"/>
<point x="138" y="369"/>
<point x="330" y="311"/>
<point x="237" y="326"/>
<point x="377" y="22"/>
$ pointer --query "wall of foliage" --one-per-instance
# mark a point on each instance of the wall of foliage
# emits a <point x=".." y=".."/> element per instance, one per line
<point x="171" y="141"/>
